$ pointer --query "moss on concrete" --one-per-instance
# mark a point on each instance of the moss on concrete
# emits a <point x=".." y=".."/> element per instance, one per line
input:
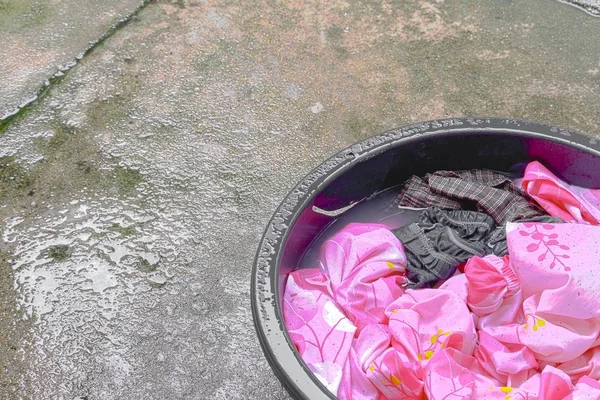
<point x="23" y="14"/>
<point x="128" y="180"/>
<point x="103" y="112"/>
<point x="59" y="252"/>
<point x="124" y="231"/>
<point x="14" y="179"/>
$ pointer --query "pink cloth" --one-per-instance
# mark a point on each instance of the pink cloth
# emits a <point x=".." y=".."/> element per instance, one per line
<point x="568" y="202"/>
<point x="422" y="323"/>
<point x="525" y="326"/>
<point x="361" y="273"/>
<point x="321" y="332"/>
<point x="456" y="375"/>
<point x="491" y="280"/>
<point x="366" y="265"/>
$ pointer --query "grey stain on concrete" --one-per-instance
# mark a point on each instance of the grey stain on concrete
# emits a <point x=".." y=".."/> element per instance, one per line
<point x="157" y="161"/>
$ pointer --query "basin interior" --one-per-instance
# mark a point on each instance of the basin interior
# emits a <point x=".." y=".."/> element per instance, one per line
<point x="501" y="152"/>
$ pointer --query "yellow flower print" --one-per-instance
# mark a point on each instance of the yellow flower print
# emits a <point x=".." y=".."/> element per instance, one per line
<point x="537" y="322"/>
<point x="434" y="341"/>
<point x="506" y="390"/>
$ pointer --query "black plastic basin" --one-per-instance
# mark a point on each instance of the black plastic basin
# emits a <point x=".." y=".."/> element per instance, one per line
<point x="378" y="163"/>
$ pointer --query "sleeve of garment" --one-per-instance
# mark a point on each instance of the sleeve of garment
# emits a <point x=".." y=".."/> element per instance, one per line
<point x="491" y="280"/>
<point x="557" y="266"/>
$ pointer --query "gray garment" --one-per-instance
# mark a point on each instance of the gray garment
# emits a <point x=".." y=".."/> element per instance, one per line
<point x="441" y="241"/>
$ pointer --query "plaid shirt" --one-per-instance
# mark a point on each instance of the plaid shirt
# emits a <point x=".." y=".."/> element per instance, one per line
<point x="486" y="191"/>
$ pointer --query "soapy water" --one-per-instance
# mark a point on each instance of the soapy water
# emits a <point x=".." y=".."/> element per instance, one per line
<point x="380" y="208"/>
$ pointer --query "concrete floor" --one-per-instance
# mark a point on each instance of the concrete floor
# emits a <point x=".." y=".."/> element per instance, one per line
<point x="134" y="193"/>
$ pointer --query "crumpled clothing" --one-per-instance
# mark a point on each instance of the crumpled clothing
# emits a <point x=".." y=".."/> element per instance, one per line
<point x="486" y="191"/>
<point x="523" y="326"/>
<point x="491" y="193"/>
<point x="497" y="240"/>
<point x="588" y="364"/>
<point x="361" y="273"/>
<point x="541" y="297"/>
<point x="569" y="202"/>
<point x="394" y="358"/>
<point x="322" y="314"/>
<point x="427" y="320"/>
<point x="321" y="333"/>
<point x="455" y="375"/>
<point x="490" y="281"/>
<point x="366" y="265"/>
<point x="441" y="241"/>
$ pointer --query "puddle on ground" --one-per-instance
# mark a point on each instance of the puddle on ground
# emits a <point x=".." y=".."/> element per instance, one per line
<point x="80" y="268"/>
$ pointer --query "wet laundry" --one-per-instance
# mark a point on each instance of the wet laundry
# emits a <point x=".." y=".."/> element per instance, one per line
<point x="443" y="239"/>
<point x="480" y="190"/>
<point x="435" y="248"/>
<point x="386" y="314"/>
<point x="568" y="202"/>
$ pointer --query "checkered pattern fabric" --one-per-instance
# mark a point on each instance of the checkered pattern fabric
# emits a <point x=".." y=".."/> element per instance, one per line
<point x="482" y="190"/>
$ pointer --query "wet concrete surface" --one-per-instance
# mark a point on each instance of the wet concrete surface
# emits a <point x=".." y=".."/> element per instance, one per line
<point x="135" y="192"/>
<point x="38" y="37"/>
<point x="590" y="6"/>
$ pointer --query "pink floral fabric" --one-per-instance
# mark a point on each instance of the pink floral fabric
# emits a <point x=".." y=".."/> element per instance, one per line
<point x="366" y="265"/>
<point x="525" y="326"/>
<point x="322" y="334"/>
<point x="361" y="273"/>
<point x="568" y="202"/>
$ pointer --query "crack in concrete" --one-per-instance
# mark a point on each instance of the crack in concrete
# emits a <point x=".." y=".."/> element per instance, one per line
<point x="52" y="81"/>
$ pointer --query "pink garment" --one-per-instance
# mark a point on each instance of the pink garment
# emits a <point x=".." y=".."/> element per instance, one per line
<point x="568" y="202"/>
<point x="510" y="364"/>
<point x="422" y="323"/>
<point x="366" y="264"/>
<point x="491" y="280"/>
<point x="425" y="321"/>
<point x="361" y="273"/>
<point x="526" y="326"/>
<point x="494" y="292"/>
<point x="558" y="318"/>
<point x="322" y="334"/>
<point x="456" y="375"/>
<point x="588" y="364"/>
<point x="586" y="389"/>
<point x="558" y="263"/>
